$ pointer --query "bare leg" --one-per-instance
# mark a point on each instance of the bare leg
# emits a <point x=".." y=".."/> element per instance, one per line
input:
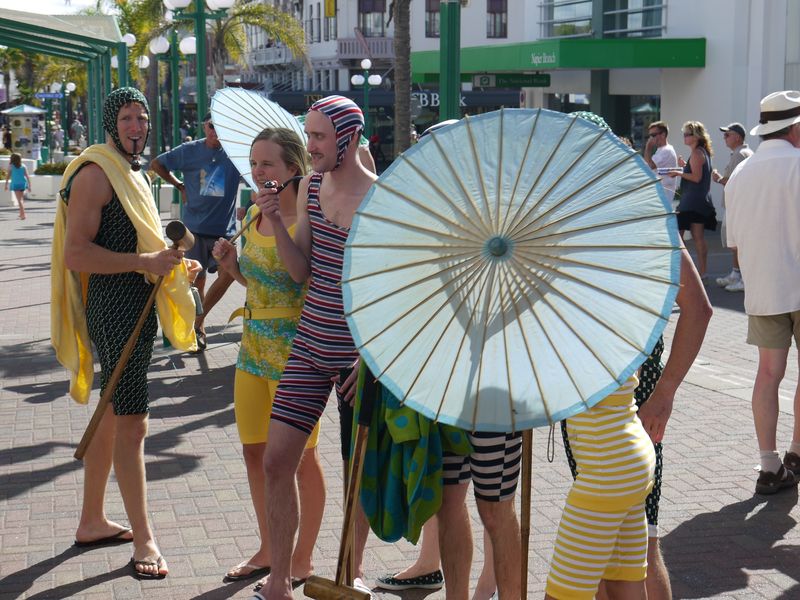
<point x="311" y="483"/>
<point x="360" y="540"/>
<point x="735" y="253"/>
<point x="20" y="194"/>
<point x="626" y="590"/>
<point x="281" y="461"/>
<point x="657" y="582"/>
<point x="428" y="559"/>
<point x="93" y="523"/>
<point x="214" y="294"/>
<point x="698" y="235"/>
<point x="502" y="525"/>
<point x="455" y="541"/>
<point x="771" y="368"/>
<point x="129" y="469"/>
<point x="487" y="585"/>
<point x="796" y="431"/>
<point x="254" y="462"/>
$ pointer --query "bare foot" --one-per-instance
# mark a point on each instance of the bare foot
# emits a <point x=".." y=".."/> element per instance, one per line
<point x="103" y="530"/>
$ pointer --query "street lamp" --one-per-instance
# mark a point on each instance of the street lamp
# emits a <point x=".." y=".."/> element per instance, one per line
<point x="367" y="81"/>
<point x="199" y="16"/>
<point x="66" y="89"/>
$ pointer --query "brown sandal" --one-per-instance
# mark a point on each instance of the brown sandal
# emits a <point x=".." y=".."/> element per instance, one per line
<point x="772" y="483"/>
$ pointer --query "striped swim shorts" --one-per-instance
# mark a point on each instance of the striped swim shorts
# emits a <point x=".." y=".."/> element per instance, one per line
<point x="493" y="466"/>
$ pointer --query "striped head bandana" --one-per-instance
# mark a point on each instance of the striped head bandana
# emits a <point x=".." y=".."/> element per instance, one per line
<point x="111" y="107"/>
<point x="347" y="119"/>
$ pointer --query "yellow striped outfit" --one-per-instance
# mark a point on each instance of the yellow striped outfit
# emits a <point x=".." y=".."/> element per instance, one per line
<point x="603" y="531"/>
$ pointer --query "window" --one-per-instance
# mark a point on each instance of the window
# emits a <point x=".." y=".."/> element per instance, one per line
<point x="496" y="18"/>
<point x="633" y="18"/>
<point x="370" y="17"/>
<point x="432" y="18"/>
<point x="566" y="18"/>
<point x="330" y="31"/>
<point x="316" y="25"/>
<point x="309" y="25"/>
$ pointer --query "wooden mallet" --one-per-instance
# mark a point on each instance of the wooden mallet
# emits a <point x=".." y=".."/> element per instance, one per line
<point x="181" y="238"/>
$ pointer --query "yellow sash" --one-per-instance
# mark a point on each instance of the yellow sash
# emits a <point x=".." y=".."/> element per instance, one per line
<point x="69" y="333"/>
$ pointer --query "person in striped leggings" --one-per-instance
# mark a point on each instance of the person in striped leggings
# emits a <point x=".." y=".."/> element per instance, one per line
<point x="327" y="201"/>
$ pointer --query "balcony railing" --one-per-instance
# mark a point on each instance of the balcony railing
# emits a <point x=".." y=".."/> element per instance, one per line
<point x="277" y="55"/>
<point x="352" y="48"/>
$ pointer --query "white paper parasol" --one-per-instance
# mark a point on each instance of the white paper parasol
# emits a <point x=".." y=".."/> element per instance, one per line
<point x="511" y="270"/>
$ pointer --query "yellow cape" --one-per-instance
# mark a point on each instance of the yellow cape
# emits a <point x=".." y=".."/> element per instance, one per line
<point x="69" y="333"/>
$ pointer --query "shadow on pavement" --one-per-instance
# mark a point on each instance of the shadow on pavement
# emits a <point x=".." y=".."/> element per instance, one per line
<point x="726" y="544"/>
<point x="15" y="585"/>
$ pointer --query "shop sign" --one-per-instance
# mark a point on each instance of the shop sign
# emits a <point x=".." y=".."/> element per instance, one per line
<point x="431" y="99"/>
<point x="512" y="80"/>
<point x="543" y="59"/>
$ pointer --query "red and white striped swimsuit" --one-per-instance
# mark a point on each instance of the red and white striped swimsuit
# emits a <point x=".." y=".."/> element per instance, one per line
<point x="323" y="344"/>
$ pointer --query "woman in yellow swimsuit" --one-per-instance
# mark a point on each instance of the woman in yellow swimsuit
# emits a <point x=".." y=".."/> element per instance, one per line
<point x="271" y="314"/>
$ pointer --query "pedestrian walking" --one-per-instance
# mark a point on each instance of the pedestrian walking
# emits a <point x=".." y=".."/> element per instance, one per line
<point x="734" y="136"/>
<point x="763" y="224"/>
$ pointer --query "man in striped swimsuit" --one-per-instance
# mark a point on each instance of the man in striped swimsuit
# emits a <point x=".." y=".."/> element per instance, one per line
<point x="327" y="201"/>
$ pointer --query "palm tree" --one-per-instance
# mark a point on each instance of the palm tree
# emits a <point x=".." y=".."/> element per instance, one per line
<point x="402" y="75"/>
<point x="11" y="59"/>
<point x="228" y="36"/>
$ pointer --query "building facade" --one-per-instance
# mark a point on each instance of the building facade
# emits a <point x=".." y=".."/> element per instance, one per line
<point x="632" y="61"/>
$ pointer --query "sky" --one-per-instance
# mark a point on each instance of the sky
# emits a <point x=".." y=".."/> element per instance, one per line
<point x="47" y="7"/>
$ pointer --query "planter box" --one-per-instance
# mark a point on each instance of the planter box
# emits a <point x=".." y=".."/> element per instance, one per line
<point x="7" y="197"/>
<point x="44" y="187"/>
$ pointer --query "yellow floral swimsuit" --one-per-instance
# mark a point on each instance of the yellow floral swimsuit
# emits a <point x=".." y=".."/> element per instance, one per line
<point x="266" y="342"/>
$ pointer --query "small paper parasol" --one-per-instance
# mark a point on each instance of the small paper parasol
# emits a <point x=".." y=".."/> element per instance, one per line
<point x="239" y="115"/>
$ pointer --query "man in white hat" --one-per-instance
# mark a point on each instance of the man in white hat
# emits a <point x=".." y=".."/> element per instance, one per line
<point x="763" y="223"/>
<point x="734" y="135"/>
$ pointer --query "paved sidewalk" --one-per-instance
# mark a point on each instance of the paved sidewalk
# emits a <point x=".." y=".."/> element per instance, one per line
<point x="719" y="540"/>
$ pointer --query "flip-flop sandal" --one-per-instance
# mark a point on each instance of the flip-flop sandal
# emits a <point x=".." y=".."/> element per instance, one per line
<point x="147" y="563"/>
<point x="201" y="339"/>
<point x="255" y="571"/>
<point x="296" y="582"/>
<point x="111" y="540"/>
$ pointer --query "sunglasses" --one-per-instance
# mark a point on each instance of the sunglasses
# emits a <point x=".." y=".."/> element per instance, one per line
<point x="654" y="134"/>
<point x="687" y="134"/>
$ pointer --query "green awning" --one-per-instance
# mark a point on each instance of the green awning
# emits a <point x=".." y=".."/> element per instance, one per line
<point x="583" y="53"/>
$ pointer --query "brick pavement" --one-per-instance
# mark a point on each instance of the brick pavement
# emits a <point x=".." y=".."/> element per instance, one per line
<point x="719" y="540"/>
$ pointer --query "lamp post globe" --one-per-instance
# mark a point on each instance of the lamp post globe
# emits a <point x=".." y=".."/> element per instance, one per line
<point x="114" y="62"/>
<point x="143" y="62"/>
<point x="159" y="45"/>
<point x="70" y="87"/>
<point x="188" y="45"/>
<point x="129" y="39"/>
<point x="366" y="64"/>
<point x="357" y="80"/>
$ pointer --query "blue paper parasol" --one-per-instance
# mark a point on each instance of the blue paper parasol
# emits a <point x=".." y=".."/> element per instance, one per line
<point x="511" y="270"/>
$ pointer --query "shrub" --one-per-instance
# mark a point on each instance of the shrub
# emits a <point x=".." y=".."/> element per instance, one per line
<point x="51" y="169"/>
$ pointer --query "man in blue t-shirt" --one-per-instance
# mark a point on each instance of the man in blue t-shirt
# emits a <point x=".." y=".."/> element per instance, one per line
<point x="209" y="186"/>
